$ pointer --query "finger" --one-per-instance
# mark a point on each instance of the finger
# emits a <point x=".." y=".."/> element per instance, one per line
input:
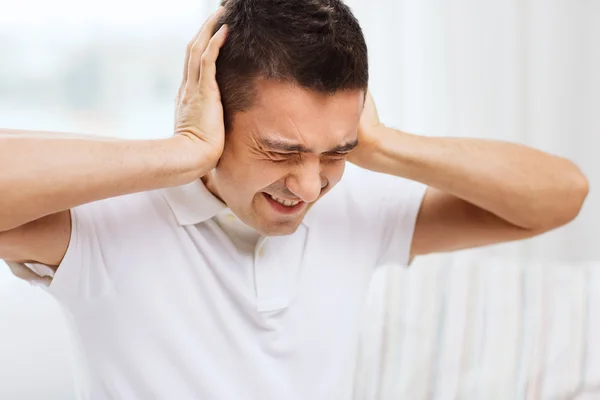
<point x="209" y="58"/>
<point x="200" y="46"/>
<point x="188" y="51"/>
<point x="190" y="44"/>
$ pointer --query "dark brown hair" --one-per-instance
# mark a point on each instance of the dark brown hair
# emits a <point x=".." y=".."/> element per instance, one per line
<point x="316" y="44"/>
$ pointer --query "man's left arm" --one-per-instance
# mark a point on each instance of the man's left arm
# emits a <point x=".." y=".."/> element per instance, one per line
<point x="480" y="192"/>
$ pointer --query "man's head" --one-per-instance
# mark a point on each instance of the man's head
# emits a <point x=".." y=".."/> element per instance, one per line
<point x="292" y="75"/>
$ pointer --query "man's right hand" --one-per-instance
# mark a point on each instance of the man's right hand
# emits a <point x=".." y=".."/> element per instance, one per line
<point x="199" y="111"/>
<point x="35" y="222"/>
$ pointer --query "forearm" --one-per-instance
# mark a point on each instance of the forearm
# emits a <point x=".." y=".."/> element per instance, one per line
<point x="524" y="186"/>
<point x="41" y="173"/>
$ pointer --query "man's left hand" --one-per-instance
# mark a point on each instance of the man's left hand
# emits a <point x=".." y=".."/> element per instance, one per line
<point x="371" y="133"/>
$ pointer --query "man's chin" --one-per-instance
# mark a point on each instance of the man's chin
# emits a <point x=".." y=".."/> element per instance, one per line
<point x="279" y="229"/>
<point x="268" y="226"/>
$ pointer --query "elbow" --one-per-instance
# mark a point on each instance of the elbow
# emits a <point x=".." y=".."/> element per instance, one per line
<point x="579" y="192"/>
<point x="574" y="194"/>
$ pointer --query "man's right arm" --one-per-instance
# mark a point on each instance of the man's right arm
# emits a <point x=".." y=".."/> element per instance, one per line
<point x="42" y="176"/>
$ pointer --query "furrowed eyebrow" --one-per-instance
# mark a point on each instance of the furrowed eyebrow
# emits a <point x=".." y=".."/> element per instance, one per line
<point x="277" y="145"/>
<point x="344" y="148"/>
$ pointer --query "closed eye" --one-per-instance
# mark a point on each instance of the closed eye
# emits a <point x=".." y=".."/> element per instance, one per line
<point x="336" y="154"/>
<point x="334" y="157"/>
<point x="296" y="157"/>
<point x="283" y="157"/>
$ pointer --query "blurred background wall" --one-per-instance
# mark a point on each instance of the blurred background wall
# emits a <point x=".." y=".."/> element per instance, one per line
<point x="518" y="70"/>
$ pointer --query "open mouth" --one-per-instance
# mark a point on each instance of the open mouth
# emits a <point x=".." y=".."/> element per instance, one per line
<point x="283" y="205"/>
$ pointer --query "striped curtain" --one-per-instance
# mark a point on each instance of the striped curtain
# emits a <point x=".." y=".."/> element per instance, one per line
<point x="467" y="327"/>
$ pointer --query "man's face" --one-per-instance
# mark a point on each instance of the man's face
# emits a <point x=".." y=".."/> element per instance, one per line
<point x="289" y="148"/>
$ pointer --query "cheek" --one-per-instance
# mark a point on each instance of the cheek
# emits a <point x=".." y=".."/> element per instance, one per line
<point x="333" y="172"/>
<point x="245" y="173"/>
<point x="236" y="160"/>
<point x="268" y="172"/>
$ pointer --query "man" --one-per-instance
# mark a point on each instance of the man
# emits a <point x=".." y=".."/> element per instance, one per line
<point x="231" y="260"/>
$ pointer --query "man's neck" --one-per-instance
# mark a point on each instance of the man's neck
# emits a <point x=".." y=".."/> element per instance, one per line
<point x="208" y="181"/>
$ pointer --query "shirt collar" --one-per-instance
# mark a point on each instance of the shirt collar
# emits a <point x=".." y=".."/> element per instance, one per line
<point x="193" y="203"/>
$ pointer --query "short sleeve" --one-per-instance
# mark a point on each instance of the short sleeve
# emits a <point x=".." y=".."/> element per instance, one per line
<point x="104" y="237"/>
<point x="389" y="206"/>
<point x="82" y="273"/>
<point x="401" y="206"/>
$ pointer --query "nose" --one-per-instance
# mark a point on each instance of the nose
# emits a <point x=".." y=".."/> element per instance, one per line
<point x="306" y="182"/>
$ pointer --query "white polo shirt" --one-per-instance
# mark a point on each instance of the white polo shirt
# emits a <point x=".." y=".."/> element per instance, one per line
<point x="173" y="300"/>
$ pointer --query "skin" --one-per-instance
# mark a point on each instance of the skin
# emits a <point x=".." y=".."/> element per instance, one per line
<point x="35" y="221"/>
<point x="515" y="192"/>
<point x="463" y="207"/>
<point x="293" y="144"/>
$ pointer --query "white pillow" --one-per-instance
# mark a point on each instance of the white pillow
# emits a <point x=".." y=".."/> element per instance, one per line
<point x="472" y="327"/>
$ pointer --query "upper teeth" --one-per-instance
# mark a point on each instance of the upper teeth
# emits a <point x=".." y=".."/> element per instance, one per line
<point x="288" y="203"/>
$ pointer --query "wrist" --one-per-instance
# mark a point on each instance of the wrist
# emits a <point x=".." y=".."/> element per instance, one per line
<point x="376" y="148"/>
<point x="191" y="158"/>
<point x="394" y="152"/>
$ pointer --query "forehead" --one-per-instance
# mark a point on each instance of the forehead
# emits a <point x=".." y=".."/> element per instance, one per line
<point x="295" y="114"/>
